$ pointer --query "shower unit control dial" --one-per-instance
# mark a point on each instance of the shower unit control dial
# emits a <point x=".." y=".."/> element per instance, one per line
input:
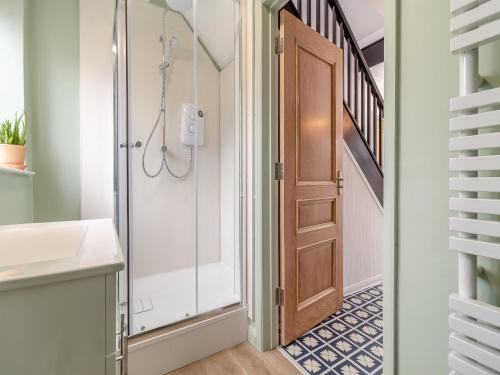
<point x="189" y="119"/>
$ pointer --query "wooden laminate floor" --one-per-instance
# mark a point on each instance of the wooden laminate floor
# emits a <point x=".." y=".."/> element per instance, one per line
<point x="240" y="360"/>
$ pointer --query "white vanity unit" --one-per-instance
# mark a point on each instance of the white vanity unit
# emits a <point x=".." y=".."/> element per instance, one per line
<point x="58" y="308"/>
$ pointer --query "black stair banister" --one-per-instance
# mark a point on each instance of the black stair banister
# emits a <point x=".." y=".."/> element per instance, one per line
<point x="361" y="95"/>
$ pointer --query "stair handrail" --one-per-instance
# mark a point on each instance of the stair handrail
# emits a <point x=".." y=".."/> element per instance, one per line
<point x="362" y="97"/>
<point x="335" y="6"/>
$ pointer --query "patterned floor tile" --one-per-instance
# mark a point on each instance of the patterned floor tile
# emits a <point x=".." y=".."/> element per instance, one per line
<point x="357" y="338"/>
<point x="310" y="341"/>
<point x="296" y="349"/>
<point x="362" y="313"/>
<point x="324" y="332"/>
<point x="312" y="364"/>
<point x="350" y="320"/>
<point x="375" y="349"/>
<point x="348" y="368"/>
<point x="377" y="321"/>
<point x="355" y="300"/>
<point x="338" y="327"/>
<point x="346" y="306"/>
<point x="369" y="330"/>
<point x="373" y="308"/>
<point x="329" y="355"/>
<point x="344" y="346"/>
<point x="349" y="342"/>
<point x="365" y="361"/>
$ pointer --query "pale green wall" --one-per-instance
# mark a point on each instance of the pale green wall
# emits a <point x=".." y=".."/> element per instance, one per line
<point x="427" y="268"/>
<point x="421" y="77"/>
<point x="52" y="62"/>
<point x="16" y="192"/>
<point x="50" y="30"/>
<point x="16" y="199"/>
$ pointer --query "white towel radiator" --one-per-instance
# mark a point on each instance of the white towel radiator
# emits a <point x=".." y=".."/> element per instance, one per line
<point x="475" y="338"/>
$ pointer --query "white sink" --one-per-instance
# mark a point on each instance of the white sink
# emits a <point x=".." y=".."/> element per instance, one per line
<point x="35" y="244"/>
<point x="41" y="253"/>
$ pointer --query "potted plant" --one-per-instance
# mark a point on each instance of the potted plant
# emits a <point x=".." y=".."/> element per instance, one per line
<point x="12" y="143"/>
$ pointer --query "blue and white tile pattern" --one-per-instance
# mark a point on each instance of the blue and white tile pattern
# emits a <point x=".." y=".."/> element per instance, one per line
<point x="349" y="342"/>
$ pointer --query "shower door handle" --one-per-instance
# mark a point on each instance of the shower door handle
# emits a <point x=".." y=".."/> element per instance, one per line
<point x="122" y="358"/>
<point x="137" y="144"/>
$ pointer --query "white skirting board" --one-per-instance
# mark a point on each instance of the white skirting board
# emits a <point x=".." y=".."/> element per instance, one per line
<point x="363" y="284"/>
<point x="252" y="335"/>
<point x="166" y="352"/>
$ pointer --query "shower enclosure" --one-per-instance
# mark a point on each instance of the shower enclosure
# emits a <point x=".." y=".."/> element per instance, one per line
<point x="179" y="159"/>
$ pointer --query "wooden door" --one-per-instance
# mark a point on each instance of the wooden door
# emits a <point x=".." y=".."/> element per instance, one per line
<point x="311" y="147"/>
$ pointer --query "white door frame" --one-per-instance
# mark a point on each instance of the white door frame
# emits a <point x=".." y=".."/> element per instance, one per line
<point x="266" y="317"/>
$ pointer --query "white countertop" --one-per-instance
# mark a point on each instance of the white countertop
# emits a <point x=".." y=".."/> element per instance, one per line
<point x="42" y="253"/>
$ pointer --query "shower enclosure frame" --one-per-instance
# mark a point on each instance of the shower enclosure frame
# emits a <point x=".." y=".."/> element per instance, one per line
<point x="123" y="146"/>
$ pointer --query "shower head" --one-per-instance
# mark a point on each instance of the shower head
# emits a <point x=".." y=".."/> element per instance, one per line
<point x="173" y="43"/>
<point x="179" y="5"/>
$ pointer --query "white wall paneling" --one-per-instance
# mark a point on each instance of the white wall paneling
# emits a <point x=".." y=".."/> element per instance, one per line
<point x="363" y="229"/>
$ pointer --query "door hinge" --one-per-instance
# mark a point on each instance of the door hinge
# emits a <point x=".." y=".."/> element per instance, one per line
<point x="280" y="297"/>
<point x="278" y="45"/>
<point x="279" y="171"/>
<point x="340" y="182"/>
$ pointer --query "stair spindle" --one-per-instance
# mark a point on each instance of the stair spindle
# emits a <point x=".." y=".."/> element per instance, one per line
<point x="349" y="74"/>
<point x="362" y="124"/>
<point x="334" y="26"/>
<point x="356" y="82"/>
<point x="309" y="22"/>
<point x="326" y="12"/>
<point x="375" y="128"/>
<point x="318" y="16"/>
<point x="368" y="116"/>
<point x="374" y="122"/>
<point x="380" y="136"/>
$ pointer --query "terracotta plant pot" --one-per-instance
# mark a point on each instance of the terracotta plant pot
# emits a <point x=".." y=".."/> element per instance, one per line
<point x="12" y="156"/>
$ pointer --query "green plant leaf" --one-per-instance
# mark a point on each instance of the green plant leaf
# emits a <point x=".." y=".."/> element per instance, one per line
<point x="22" y="140"/>
<point x="14" y="133"/>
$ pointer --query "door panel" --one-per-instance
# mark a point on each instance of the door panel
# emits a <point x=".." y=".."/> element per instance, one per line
<point x="310" y="201"/>
<point x="314" y="136"/>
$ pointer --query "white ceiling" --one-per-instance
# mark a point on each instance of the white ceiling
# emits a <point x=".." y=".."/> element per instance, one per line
<point x="215" y="27"/>
<point x="366" y="18"/>
<point x="215" y="24"/>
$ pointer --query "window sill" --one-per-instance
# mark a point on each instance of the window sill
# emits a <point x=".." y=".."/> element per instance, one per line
<point x="4" y="170"/>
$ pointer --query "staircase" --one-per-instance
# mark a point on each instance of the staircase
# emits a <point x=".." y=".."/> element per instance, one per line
<point x="363" y="103"/>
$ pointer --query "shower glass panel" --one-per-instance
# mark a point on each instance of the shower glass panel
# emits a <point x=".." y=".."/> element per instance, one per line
<point x="217" y="166"/>
<point x="184" y="159"/>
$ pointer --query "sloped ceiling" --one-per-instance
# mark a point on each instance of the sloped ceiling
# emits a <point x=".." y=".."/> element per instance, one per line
<point x="366" y="18"/>
<point x="215" y="26"/>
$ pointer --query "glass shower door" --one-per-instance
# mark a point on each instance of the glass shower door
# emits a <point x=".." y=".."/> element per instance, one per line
<point x="184" y="160"/>
<point x="217" y="170"/>
<point x="162" y="178"/>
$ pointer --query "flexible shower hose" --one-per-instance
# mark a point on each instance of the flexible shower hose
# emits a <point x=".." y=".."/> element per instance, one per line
<point x="164" y="162"/>
<point x="164" y="150"/>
